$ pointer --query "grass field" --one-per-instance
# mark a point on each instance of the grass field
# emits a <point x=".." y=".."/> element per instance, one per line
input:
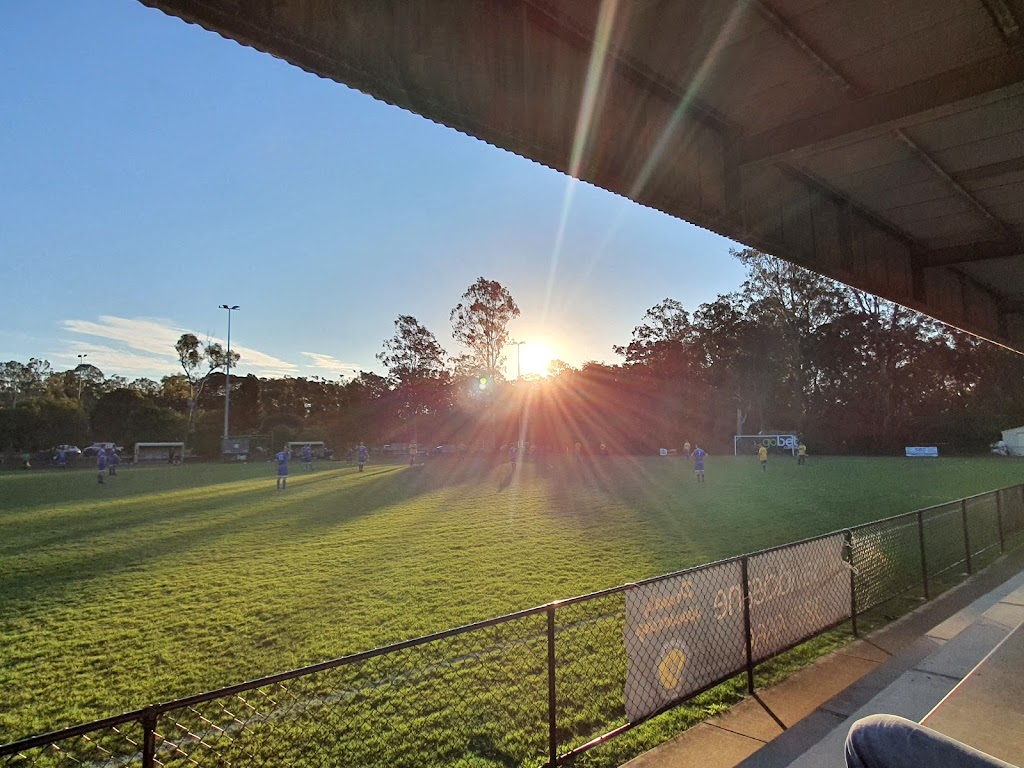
<point x="170" y="581"/>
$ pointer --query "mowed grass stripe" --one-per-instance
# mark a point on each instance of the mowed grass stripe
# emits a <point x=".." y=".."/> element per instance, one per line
<point x="183" y="579"/>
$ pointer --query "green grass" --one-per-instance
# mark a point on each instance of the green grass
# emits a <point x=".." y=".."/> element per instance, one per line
<point x="170" y="581"/>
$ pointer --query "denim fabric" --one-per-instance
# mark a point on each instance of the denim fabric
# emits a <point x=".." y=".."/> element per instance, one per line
<point x="887" y="741"/>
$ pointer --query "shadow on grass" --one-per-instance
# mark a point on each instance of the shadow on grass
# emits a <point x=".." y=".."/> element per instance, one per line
<point x="65" y="562"/>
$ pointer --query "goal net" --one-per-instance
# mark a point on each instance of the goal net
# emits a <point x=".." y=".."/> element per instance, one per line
<point x="318" y="448"/>
<point x="164" y="453"/>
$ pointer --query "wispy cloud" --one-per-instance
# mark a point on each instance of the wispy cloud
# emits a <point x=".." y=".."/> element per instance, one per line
<point x="111" y="360"/>
<point x="332" y="364"/>
<point x="155" y="339"/>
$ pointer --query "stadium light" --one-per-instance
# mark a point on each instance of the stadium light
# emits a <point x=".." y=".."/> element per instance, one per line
<point x="519" y="370"/>
<point x="81" y="362"/>
<point x="227" y="381"/>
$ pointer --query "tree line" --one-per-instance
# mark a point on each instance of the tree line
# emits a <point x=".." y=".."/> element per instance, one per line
<point x="789" y="351"/>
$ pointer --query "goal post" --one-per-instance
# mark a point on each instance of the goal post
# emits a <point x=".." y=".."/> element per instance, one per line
<point x="771" y="442"/>
<point x="318" y="447"/>
<point x="163" y="453"/>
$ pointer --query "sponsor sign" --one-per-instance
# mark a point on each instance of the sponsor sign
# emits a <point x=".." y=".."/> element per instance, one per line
<point x="931" y="451"/>
<point x="682" y="634"/>
<point x="796" y="592"/>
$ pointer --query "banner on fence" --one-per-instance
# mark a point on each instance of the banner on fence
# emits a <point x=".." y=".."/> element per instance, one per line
<point x="682" y="634"/>
<point x="922" y="450"/>
<point x="796" y="592"/>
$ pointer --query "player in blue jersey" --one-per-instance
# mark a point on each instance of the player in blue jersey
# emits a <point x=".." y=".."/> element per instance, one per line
<point x="112" y="461"/>
<point x="698" y="462"/>
<point x="101" y="464"/>
<point x="307" y="457"/>
<point x="362" y="453"/>
<point x="282" y="468"/>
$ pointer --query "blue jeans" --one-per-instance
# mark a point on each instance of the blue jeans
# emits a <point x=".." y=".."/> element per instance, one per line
<point x="887" y="741"/>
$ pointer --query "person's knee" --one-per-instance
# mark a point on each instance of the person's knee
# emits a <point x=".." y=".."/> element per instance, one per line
<point x="875" y="740"/>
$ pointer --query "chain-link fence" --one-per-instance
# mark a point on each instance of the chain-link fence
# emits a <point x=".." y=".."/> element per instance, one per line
<point x="542" y="686"/>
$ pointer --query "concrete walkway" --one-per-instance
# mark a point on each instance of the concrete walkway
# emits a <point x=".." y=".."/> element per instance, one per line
<point x="906" y="668"/>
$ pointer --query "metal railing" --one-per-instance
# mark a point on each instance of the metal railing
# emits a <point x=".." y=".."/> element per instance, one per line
<point x="541" y="686"/>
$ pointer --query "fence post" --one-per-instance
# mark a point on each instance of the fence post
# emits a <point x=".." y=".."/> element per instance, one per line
<point x="745" y="587"/>
<point x="999" y="520"/>
<point x="552" y="720"/>
<point x="149" y="738"/>
<point x="924" y="557"/>
<point x="967" y="537"/>
<point x="848" y="534"/>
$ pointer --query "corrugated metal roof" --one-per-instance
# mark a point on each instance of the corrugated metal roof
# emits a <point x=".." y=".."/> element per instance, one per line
<point x="879" y="142"/>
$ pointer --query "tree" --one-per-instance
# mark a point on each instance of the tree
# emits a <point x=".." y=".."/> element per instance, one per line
<point x="480" y="323"/>
<point x="665" y="330"/>
<point x="21" y="380"/>
<point x="192" y="355"/>
<point x="416" y="368"/>
<point x="412" y="353"/>
<point x="558" y="367"/>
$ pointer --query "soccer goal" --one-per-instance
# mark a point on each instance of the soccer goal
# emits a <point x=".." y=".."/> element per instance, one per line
<point x="749" y="444"/>
<point x="162" y="453"/>
<point x="317" y="446"/>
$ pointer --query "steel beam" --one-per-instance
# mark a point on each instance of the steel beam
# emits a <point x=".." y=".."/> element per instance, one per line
<point x="885" y="112"/>
<point x="969" y="253"/>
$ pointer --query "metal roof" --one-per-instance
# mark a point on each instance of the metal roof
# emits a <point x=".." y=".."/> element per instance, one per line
<point x="880" y="142"/>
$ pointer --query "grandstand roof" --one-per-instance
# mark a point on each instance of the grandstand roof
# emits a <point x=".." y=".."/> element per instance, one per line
<point x="877" y="142"/>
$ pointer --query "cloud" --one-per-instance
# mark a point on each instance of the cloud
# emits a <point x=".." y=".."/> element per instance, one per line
<point x="155" y="338"/>
<point x="111" y="360"/>
<point x="332" y="364"/>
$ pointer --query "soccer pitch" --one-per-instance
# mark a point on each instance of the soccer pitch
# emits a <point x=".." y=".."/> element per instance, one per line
<point x="170" y="581"/>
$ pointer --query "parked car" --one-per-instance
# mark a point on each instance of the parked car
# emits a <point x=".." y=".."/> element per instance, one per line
<point x="93" y="449"/>
<point x="70" y="451"/>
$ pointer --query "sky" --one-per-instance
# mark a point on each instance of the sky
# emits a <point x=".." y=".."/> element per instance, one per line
<point x="151" y="171"/>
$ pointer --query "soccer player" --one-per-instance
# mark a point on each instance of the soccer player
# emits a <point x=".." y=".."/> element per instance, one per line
<point x="686" y="449"/>
<point x="412" y="453"/>
<point x="101" y="464"/>
<point x="307" y="457"/>
<point x="62" y="459"/>
<point x="801" y="454"/>
<point x="762" y="456"/>
<point x="512" y="451"/>
<point x="362" y="454"/>
<point x="282" y="468"/>
<point x="113" y="461"/>
<point x="698" y="462"/>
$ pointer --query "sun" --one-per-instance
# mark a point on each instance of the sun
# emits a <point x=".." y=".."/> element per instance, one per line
<point x="534" y="357"/>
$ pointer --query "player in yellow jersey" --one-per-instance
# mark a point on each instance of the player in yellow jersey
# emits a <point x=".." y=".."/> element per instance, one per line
<point x="762" y="456"/>
<point x="801" y="454"/>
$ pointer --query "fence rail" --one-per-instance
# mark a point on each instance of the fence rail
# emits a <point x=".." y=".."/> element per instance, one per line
<point x="541" y="686"/>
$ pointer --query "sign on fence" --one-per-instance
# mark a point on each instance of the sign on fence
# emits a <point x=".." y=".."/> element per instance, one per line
<point x="920" y="450"/>
<point x="796" y="592"/>
<point x="682" y="634"/>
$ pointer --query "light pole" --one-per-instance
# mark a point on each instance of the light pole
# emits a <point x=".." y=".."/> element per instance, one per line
<point x="519" y="372"/>
<point x="81" y="362"/>
<point x="227" y="381"/>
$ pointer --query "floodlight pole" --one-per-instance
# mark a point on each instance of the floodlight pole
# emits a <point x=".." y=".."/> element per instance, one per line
<point x="81" y="362"/>
<point x="227" y="381"/>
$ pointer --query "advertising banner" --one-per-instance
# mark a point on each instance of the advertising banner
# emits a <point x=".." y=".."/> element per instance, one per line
<point x="796" y="592"/>
<point x="920" y="450"/>
<point x="682" y="633"/>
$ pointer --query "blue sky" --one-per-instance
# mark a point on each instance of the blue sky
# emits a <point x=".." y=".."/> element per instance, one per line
<point x="152" y="171"/>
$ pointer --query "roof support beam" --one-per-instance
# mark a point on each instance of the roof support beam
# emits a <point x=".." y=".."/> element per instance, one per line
<point x="970" y="253"/>
<point x="885" y="112"/>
